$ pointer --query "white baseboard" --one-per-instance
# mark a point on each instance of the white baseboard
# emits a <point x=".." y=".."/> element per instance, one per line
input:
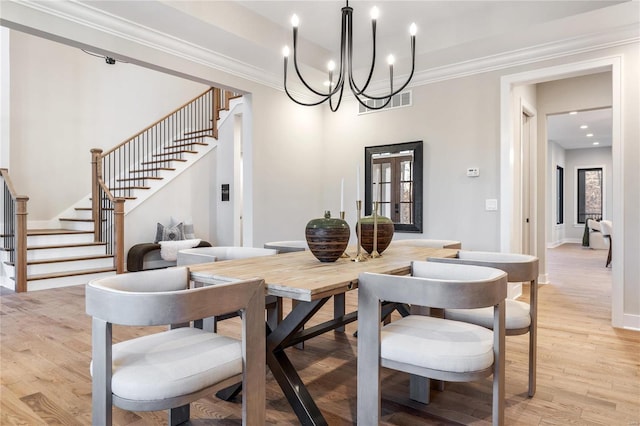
<point x="543" y="279"/>
<point x="514" y="290"/>
<point x="631" y="322"/>
<point x="8" y="283"/>
<point x="555" y="244"/>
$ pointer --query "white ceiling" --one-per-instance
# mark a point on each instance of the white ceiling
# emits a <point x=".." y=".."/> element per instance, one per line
<point x="565" y="129"/>
<point x="449" y="32"/>
<point x="454" y="37"/>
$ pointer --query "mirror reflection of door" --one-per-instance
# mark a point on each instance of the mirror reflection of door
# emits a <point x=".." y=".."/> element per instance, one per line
<point x="393" y="177"/>
<point x="393" y="185"/>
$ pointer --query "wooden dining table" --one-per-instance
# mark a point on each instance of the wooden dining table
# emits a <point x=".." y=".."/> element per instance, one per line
<point x="309" y="283"/>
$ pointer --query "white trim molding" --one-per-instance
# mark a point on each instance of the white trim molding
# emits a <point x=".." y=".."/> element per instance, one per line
<point x="507" y="82"/>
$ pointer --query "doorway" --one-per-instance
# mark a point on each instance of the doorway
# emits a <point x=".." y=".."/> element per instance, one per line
<point x="510" y="193"/>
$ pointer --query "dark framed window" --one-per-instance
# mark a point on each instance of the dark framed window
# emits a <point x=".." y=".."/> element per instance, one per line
<point x="559" y="195"/>
<point x="394" y="174"/>
<point x="589" y="193"/>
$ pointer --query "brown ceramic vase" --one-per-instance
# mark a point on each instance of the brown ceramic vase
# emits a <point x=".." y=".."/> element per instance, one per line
<point x="385" y="233"/>
<point x="327" y="237"/>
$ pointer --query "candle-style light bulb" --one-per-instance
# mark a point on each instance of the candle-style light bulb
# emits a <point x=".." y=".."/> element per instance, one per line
<point x="390" y="60"/>
<point x="285" y="51"/>
<point x="413" y="29"/>
<point x="295" y="21"/>
<point x="375" y="12"/>
<point x="331" y="65"/>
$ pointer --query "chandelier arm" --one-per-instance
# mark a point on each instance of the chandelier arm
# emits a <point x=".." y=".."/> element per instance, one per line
<point x="406" y="83"/>
<point x="352" y="83"/>
<point x="334" y="109"/>
<point x="286" y="90"/>
<point x="346" y="69"/>
<point x="295" y="64"/>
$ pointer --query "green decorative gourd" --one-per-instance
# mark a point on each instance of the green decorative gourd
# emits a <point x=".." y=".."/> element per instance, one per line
<point x="385" y="233"/>
<point x="327" y="237"/>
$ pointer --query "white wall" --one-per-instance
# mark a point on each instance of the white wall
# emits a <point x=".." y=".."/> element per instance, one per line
<point x="457" y="124"/>
<point x="301" y="154"/>
<point x="65" y="102"/>
<point x="5" y="89"/>
<point x="556" y="232"/>
<point x="584" y="158"/>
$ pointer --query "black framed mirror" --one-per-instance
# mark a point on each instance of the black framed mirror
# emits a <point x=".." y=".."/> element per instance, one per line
<point x="393" y="177"/>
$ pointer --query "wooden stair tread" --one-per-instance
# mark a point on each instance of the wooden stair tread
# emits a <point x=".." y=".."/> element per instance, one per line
<point x="190" y="138"/>
<point x="64" y="259"/>
<point x="182" y="145"/>
<point x="139" y="178"/>
<point x="63" y="246"/>
<point x="193" y="132"/>
<point x="128" y="188"/>
<point x="69" y="274"/>
<point x="152" y="169"/>
<point x="55" y="231"/>
<point x="183" y="151"/>
<point x="144" y="163"/>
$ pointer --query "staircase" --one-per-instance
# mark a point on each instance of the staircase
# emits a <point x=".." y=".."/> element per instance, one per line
<point x="77" y="251"/>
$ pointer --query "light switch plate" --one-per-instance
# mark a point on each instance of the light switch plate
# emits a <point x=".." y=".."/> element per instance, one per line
<point x="473" y="172"/>
<point x="491" y="204"/>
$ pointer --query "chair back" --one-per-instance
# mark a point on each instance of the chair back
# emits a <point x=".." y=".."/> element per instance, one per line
<point x="287" y="246"/>
<point x="519" y="267"/>
<point x="606" y="227"/>
<point x="214" y="254"/>
<point x="128" y="299"/>
<point x="420" y="242"/>
<point x="439" y="286"/>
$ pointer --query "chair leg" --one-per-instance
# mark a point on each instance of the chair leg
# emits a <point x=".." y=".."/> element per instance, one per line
<point x="609" y="254"/>
<point x="419" y="388"/>
<point x="532" y="362"/>
<point x="179" y="415"/>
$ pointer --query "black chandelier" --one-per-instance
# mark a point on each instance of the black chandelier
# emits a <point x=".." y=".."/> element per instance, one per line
<point x="346" y="66"/>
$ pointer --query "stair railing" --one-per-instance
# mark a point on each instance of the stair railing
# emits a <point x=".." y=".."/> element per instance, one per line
<point x="129" y="165"/>
<point x="14" y="229"/>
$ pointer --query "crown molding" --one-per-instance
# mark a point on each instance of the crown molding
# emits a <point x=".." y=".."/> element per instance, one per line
<point x="542" y="52"/>
<point x="85" y="15"/>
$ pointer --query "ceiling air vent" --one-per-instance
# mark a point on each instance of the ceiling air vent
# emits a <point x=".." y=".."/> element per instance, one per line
<point x="400" y="100"/>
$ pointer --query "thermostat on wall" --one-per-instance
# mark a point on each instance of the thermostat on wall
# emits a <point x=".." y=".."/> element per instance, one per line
<point x="473" y="172"/>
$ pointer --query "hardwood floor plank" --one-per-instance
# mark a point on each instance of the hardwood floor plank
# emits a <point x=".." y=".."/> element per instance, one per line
<point x="50" y="412"/>
<point x="588" y="372"/>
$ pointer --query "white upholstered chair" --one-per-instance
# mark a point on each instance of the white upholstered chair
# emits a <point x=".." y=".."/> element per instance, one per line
<point x="213" y="254"/>
<point x="425" y="346"/>
<point x="217" y="254"/>
<point x="287" y="246"/>
<point x="521" y="317"/>
<point x="172" y="368"/>
<point x="606" y="228"/>
<point x="421" y="242"/>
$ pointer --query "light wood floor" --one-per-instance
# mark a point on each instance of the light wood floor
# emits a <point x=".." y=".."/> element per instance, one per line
<point x="588" y="372"/>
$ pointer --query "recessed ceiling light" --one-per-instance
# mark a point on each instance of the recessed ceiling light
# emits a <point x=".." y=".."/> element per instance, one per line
<point x="573" y="112"/>
<point x="584" y="126"/>
<point x="596" y="143"/>
<point x="589" y="135"/>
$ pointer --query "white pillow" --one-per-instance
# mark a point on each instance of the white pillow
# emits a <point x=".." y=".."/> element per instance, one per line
<point x="187" y="223"/>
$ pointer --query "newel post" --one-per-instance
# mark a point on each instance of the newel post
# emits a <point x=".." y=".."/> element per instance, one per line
<point x="96" y="177"/>
<point x="118" y="218"/>
<point x="21" y="244"/>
